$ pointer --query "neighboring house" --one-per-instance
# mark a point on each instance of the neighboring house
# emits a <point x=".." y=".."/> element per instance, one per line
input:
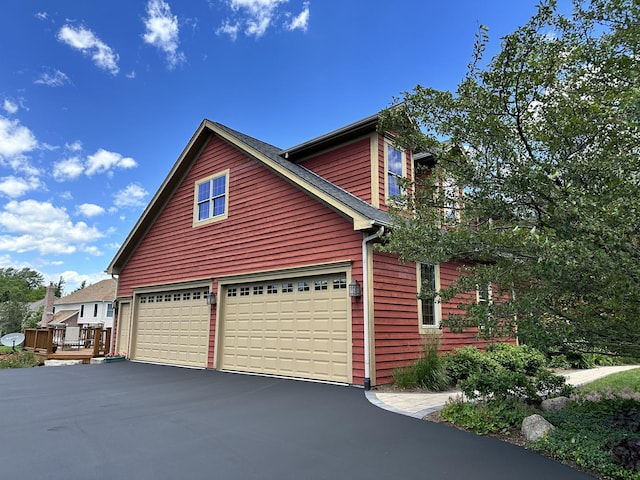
<point x="256" y="259"/>
<point x="90" y="306"/>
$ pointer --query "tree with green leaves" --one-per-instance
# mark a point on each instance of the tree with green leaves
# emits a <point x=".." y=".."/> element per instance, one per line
<point x="543" y="145"/>
<point x="12" y="316"/>
<point x="21" y="285"/>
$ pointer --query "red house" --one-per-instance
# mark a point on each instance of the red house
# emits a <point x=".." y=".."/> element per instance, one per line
<point x="256" y="259"/>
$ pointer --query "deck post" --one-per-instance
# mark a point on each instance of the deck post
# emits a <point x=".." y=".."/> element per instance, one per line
<point x="96" y="342"/>
<point x="107" y="340"/>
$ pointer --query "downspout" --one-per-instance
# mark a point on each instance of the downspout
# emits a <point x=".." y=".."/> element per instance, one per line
<point x="115" y="324"/>
<point x="365" y="299"/>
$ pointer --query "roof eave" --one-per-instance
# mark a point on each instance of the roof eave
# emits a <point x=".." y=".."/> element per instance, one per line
<point x="356" y="129"/>
<point x="196" y="143"/>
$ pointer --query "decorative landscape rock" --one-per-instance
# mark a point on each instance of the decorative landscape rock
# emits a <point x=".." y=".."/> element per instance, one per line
<point x="551" y="404"/>
<point x="535" y="427"/>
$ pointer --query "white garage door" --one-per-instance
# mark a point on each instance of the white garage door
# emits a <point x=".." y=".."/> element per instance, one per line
<point x="296" y="327"/>
<point x="172" y="327"/>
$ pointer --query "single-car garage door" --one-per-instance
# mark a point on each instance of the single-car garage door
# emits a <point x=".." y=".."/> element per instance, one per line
<point x="172" y="327"/>
<point x="296" y="327"/>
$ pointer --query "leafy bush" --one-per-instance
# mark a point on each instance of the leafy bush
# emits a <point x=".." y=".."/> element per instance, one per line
<point x="504" y="371"/>
<point x="464" y="362"/>
<point x="428" y="372"/>
<point x="488" y="417"/>
<point x="515" y="358"/>
<point x="19" y="360"/>
<point x="589" y="430"/>
<point x="559" y="361"/>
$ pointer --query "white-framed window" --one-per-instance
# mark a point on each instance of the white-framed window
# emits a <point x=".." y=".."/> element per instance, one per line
<point x="211" y="198"/>
<point x="484" y="296"/>
<point x="429" y="309"/>
<point x="395" y="170"/>
<point x="95" y="310"/>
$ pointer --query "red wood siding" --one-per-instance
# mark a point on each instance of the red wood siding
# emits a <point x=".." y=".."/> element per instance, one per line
<point x="398" y="341"/>
<point x="348" y="166"/>
<point x="271" y="225"/>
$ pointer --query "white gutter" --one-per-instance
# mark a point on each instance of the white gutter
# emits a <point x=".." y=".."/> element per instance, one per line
<point x="365" y="299"/>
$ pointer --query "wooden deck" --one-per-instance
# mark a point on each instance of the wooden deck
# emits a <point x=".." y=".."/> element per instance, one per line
<point x="93" y="342"/>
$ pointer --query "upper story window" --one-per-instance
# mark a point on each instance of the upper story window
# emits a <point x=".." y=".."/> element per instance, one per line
<point x="211" y="198"/>
<point x="95" y="309"/>
<point x="109" y="309"/>
<point x="395" y="166"/>
<point x="452" y="200"/>
<point x="429" y="306"/>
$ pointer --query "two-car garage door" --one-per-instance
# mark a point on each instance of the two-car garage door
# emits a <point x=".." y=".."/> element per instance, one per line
<point x="294" y="327"/>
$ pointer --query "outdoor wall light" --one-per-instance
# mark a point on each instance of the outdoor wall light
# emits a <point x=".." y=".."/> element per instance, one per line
<point x="211" y="298"/>
<point x="354" y="289"/>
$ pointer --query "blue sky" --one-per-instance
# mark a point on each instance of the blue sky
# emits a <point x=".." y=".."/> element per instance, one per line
<point x="99" y="98"/>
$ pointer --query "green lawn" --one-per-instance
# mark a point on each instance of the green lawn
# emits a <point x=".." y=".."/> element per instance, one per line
<point x="617" y="381"/>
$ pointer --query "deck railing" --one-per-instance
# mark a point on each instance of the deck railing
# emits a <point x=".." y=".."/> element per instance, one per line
<point x="45" y="340"/>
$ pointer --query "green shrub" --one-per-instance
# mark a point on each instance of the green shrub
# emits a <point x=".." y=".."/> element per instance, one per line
<point x="522" y="358"/>
<point x="19" y="360"/>
<point x="559" y="361"/>
<point x="465" y="361"/>
<point x="587" y="432"/>
<point x="428" y="372"/>
<point x="487" y="417"/>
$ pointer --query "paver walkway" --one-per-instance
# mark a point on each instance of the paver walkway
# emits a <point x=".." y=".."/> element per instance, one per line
<point x="418" y="405"/>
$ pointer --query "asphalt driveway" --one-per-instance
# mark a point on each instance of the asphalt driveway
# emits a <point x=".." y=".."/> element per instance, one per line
<point x="135" y="421"/>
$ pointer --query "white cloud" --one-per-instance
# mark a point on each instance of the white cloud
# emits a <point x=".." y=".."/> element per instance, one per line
<point x="15" y="139"/>
<point x="68" y="169"/>
<point x="255" y="15"/>
<point x="90" y="210"/>
<point x="300" y="21"/>
<point x="74" y="147"/>
<point x="14" y="187"/>
<point x="9" y="106"/>
<point x="103" y="161"/>
<point x="41" y="15"/>
<point x="93" y="251"/>
<point x="31" y="225"/>
<point x="131" y="196"/>
<point x="88" y="43"/>
<point x="73" y="279"/>
<point x="162" y="31"/>
<point x="54" y="78"/>
<point x="228" y="29"/>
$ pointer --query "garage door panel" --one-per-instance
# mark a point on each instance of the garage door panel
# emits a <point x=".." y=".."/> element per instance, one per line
<point x="172" y="327"/>
<point x="297" y="327"/>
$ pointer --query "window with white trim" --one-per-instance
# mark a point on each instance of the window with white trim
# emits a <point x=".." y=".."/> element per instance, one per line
<point x="211" y="198"/>
<point x="395" y="170"/>
<point x="452" y="197"/>
<point x="429" y="303"/>
<point x="484" y="296"/>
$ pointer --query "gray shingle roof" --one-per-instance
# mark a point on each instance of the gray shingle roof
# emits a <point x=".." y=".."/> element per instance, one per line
<point x="103" y="291"/>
